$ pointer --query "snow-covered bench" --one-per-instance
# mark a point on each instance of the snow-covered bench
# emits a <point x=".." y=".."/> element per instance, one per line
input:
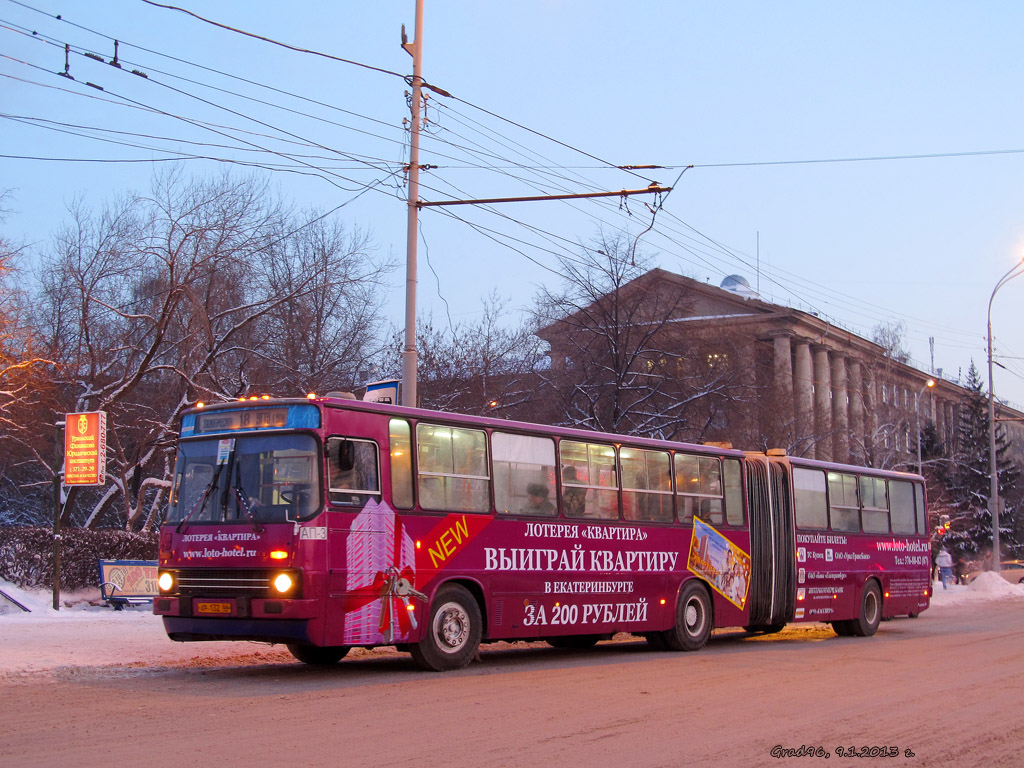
<point x="127" y="582"/>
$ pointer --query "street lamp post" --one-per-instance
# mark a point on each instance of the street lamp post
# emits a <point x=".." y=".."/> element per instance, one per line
<point x="993" y="497"/>
<point x="927" y="385"/>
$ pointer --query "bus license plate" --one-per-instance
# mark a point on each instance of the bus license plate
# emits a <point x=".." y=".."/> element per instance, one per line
<point x="218" y="608"/>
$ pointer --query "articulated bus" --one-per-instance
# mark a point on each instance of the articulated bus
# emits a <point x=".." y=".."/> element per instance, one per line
<point x="328" y="523"/>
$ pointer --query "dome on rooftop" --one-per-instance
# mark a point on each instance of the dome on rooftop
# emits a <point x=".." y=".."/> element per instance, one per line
<point x="738" y="284"/>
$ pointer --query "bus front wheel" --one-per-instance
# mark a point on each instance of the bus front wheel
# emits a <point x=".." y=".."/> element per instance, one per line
<point x="693" y="620"/>
<point x="319" y="656"/>
<point x="870" y="616"/>
<point x="453" y="634"/>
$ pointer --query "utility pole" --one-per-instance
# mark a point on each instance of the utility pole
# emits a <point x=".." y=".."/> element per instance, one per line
<point x="57" y="509"/>
<point x="414" y="49"/>
<point x="993" y="500"/>
<point x="409" y="357"/>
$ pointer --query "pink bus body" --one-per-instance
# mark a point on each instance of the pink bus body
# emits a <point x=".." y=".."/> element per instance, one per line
<point x="329" y="523"/>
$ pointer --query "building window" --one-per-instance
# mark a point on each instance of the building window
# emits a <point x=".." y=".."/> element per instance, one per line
<point x="718" y="360"/>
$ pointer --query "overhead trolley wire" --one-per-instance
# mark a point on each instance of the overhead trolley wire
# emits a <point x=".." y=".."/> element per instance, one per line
<point x="125" y="101"/>
<point x="225" y="108"/>
<point x="548" y="179"/>
<point x="274" y="42"/>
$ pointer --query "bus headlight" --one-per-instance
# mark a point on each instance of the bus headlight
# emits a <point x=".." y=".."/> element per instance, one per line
<point x="165" y="581"/>
<point x="283" y="583"/>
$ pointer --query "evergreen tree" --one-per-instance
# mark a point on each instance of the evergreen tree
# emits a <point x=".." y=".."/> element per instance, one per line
<point x="932" y="446"/>
<point x="970" y="480"/>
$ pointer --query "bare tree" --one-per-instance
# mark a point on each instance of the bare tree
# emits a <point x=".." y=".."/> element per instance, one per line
<point x="892" y="337"/>
<point x="185" y="294"/>
<point x="482" y="367"/>
<point x="620" y="361"/>
<point x="328" y="333"/>
<point x="26" y="396"/>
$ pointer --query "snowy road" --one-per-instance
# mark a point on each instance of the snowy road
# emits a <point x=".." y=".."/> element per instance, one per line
<point x="102" y="689"/>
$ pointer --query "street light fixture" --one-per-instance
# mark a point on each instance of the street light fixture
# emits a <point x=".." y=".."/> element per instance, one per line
<point x="993" y="498"/>
<point x="927" y="385"/>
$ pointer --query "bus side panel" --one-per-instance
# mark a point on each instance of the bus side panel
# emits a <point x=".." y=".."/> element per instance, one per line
<point x="833" y="568"/>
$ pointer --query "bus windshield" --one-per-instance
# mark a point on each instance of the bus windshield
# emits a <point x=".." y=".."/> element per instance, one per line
<point x="265" y="478"/>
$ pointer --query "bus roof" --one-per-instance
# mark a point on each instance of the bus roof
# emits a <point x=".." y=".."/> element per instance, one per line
<point x="344" y="403"/>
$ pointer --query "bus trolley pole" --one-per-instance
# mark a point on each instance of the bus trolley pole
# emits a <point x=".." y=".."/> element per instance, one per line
<point x="57" y="470"/>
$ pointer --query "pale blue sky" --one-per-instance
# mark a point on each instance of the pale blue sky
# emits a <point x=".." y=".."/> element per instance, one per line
<point x="714" y="85"/>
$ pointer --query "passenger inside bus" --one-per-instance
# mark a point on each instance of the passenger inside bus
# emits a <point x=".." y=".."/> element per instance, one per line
<point x="537" y="502"/>
<point x="574" y="498"/>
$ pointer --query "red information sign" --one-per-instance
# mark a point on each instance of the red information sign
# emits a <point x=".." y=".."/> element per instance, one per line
<point x="85" y="448"/>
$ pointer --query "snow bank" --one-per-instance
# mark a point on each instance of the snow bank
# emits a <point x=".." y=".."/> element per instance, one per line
<point x="989" y="583"/>
<point x="985" y="586"/>
<point x="83" y="634"/>
<point x="87" y="634"/>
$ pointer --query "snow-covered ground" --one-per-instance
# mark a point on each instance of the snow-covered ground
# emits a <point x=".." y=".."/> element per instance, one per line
<point x="85" y="635"/>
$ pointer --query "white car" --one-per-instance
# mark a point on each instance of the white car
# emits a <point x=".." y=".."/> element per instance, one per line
<point x="1011" y="570"/>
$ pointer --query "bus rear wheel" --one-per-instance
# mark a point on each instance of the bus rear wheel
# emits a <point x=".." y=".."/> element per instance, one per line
<point x="454" y="629"/>
<point x="319" y="656"/>
<point x="656" y="640"/>
<point x="842" y="628"/>
<point x="866" y="624"/>
<point x="693" y="620"/>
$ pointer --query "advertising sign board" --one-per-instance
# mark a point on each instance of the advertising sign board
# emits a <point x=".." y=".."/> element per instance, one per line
<point x="85" y="448"/>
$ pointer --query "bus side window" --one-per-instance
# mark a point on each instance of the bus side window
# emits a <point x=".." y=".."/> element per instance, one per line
<point x="733" y="492"/>
<point x="453" y="468"/>
<point x="811" y="500"/>
<point x="844" y="511"/>
<point x="524" y="474"/>
<point x="353" y="471"/>
<point x="590" y="485"/>
<point x="901" y="502"/>
<point x="400" y="438"/>
<point x="646" y="485"/>
<point x="922" y="514"/>
<point x="699" y="486"/>
<point x="875" y="512"/>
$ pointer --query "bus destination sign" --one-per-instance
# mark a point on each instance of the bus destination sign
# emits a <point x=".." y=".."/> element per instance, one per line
<point x="248" y="418"/>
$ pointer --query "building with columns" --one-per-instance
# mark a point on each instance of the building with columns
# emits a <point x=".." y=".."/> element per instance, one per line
<point x="796" y="381"/>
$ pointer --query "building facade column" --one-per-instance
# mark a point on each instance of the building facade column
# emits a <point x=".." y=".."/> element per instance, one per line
<point x="822" y="404"/>
<point x="871" y="406"/>
<point x="745" y="427"/>
<point x="803" y="382"/>
<point x="782" y="367"/>
<point x="856" y="394"/>
<point x="840" y="410"/>
<point x="951" y="425"/>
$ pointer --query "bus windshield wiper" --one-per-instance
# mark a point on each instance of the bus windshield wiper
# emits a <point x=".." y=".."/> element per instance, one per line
<point x="249" y="509"/>
<point x="199" y="505"/>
